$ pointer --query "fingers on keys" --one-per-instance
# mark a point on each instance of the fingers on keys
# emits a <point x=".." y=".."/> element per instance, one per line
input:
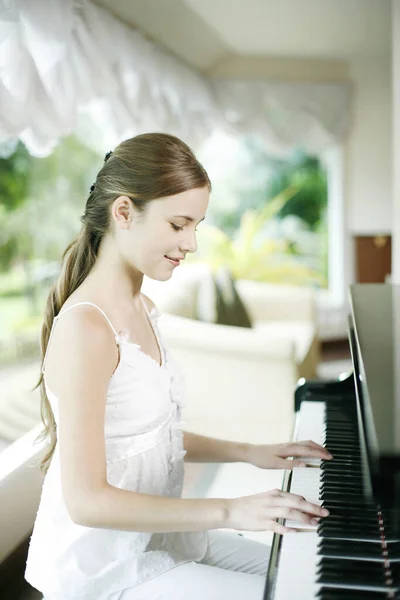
<point x="310" y="448"/>
<point x="294" y="501"/>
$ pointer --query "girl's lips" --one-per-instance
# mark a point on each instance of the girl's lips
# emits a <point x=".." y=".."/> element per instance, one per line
<point x="174" y="262"/>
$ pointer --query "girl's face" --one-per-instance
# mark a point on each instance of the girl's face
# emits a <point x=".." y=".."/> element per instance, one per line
<point x="157" y="242"/>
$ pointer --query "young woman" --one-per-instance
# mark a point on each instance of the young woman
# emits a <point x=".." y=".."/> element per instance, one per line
<point x="111" y="524"/>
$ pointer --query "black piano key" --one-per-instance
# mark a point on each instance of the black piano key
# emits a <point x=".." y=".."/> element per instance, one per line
<point x="349" y="488"/>
<point x="331" y="570"/>
<point x="341" y="477"/>
<point x="369" y="510"/>
<point x="339" y="451"/>
<point x="345" y="465"/>
<point x="343" y="523"/>
<point x="340" y="594"/>
<point x="336" y="503"/>
<point x="355" y="549"/>
<point x="357" y="536"/>
<point x="357" y="533"/>
<point x="354" y="499"/>
<point x="357" y="520"/>
<point x="339" y="461"/>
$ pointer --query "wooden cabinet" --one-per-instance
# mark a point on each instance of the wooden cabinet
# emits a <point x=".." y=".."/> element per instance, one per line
<point x="373" y="258"/>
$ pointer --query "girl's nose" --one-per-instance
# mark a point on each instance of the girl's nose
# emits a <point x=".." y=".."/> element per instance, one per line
<point x="189" y="244"/>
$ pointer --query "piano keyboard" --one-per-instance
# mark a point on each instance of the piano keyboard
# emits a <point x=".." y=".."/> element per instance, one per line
<point x="352" y="554"/>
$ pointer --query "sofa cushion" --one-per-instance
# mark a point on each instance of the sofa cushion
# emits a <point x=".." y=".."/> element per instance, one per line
<point x="177" y="295"/>
<point x="232" y="311"/>
<point x="300" y="332"/>
<point x="219" y="302"/>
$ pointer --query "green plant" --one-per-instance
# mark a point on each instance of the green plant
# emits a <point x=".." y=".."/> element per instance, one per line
<point x="249" y="255"/>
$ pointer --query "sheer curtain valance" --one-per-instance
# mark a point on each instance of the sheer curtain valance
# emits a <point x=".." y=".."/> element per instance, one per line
<point x="314" y="115"/>
<point x="72" y="66"/>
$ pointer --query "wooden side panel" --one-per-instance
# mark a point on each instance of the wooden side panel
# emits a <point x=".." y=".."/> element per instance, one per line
<point x="373" y="258"/>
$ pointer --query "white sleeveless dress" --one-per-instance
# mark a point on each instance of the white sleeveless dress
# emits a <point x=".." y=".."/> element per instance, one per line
<point x="144" y="452"/>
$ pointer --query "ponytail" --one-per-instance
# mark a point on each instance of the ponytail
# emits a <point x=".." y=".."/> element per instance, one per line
<point x="78" y="260"/>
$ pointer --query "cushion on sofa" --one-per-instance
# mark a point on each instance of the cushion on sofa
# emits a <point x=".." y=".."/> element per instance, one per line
<point x="301" y="333"/>
<point x="175" y="296"/>
<point x="219" y="302"/>
<point x="233" y="311"/>
<point x="304" y="337"/>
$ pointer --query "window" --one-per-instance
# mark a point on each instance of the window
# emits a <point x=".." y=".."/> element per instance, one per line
<point x="282" y="203"/>
<point x="41" y="200"/>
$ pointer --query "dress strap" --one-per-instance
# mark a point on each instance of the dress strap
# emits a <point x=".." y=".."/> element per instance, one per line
<point x="66" y="310"/>
<point x="145" y="305"/>
<point x="155" y="331"/>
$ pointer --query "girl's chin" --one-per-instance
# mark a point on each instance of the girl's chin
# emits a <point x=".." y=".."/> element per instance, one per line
<point x="160" y="274"/>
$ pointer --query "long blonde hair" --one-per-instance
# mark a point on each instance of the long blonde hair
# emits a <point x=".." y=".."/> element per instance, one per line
<point x="144" y="168"/>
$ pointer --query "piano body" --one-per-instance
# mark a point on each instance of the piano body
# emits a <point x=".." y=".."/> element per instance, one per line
<point x="354" y="553"/>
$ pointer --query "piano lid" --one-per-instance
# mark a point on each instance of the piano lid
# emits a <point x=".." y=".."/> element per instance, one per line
<point x="375" y="312"/>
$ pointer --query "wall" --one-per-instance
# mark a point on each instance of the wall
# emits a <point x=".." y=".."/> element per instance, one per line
<point x="396" y="141"/>
<point x="368" y="151"/>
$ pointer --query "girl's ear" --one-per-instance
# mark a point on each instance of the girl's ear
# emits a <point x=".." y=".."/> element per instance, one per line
<point x="122" y="211"/>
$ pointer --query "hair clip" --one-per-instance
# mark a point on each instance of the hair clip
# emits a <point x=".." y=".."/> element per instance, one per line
<point x="92" y="188"/>
<point x="107" y="156"/>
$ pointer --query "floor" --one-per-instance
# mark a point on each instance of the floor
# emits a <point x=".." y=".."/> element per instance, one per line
<point x="216" y="480"/>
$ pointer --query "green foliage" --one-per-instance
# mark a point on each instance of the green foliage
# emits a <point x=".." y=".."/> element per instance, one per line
<point x="249" y="178"/>
<point x="248" y="254"/>
<point x="274" y="175"/>
<point x="14" y="182"/>
<point x="256" y="176"/>
<point x="310" y="201"/>
<point x="41" y="201"/>
<point x="14" y="178"/>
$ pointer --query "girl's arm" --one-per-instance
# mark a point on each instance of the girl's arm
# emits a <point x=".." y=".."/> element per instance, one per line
<point x="113" y="508"/>
<point x="207" y="449"/>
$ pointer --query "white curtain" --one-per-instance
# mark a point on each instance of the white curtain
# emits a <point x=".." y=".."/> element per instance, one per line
<point x="69" y="65"/>
<point x="314" y="115"/>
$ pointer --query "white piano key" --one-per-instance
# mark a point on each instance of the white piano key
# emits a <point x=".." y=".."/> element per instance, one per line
<point x="298" y="552"/>
<point x="312" y="419"/>
<point x="305" y="482"/>
<point x="297" y="567"/>
<point x="311" y="426"/>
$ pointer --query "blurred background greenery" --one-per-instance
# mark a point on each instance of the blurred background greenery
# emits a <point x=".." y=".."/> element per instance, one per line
<point x="266" y="221"/>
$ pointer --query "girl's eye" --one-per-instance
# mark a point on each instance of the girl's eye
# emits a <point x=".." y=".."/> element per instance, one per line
<point x="177" y="228"/>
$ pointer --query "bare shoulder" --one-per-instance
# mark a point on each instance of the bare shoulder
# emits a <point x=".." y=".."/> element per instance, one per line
<point x="85" y="325"/>
<point x="82" y="342"/>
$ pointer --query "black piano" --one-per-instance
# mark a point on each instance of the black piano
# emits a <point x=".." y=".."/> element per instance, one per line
<point x="354" y="553"/>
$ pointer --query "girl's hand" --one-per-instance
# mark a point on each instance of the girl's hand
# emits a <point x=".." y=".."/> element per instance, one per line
<point x="275" y="456"/>
<point x="260" y="511"/>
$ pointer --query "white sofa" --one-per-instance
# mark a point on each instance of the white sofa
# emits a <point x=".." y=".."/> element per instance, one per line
<point x="240" y="381"/>
<point x="20" y="488"/>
